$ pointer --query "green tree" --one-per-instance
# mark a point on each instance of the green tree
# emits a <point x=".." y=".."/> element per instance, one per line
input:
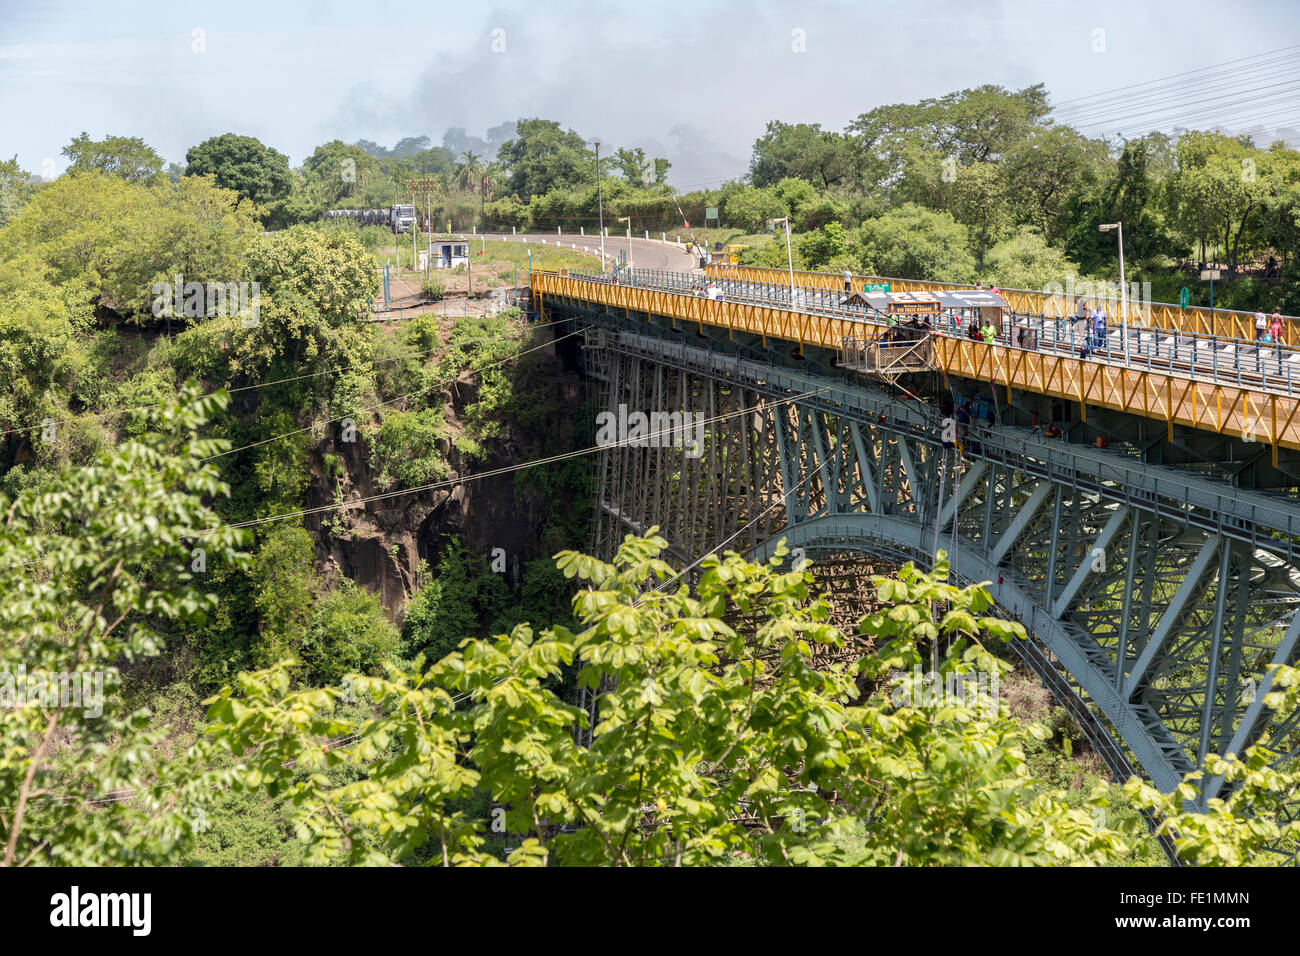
<point x="126" y="157"/>
<point x="825" y="248"/>
<point x="117" y="239"/>
<point x="92" y="565"/>
<point x="16" y="187"/>
<point x="979" y="125"/>
<point x="749" y="208"/>
<point x="336" y="175"/>
<point x="1049" y="166"/>
<point x="802" y="151"/>
<point x="40" y="353"/>
<point x="469" y="172"/>
<point x="980" y="203"/>
<point x="711" y="744"/>
<point x="346" y="634"/>
<point x="1218" y="191"/>
<point x="1026" y="261"/>
<point x="640" y="170"/>
<point x="314" y="292"/>
<point x="450" y="605"/>
<point x="915" y="243"/>
<point x="244" y="164"/>
<point x="542" y="157"/>
<point x="284" y="580"/>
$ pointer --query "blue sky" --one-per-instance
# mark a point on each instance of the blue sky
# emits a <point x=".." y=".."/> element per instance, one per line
<point x="693" y="81"/>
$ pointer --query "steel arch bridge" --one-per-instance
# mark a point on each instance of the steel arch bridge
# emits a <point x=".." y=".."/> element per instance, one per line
<point x="1156" y="595"/>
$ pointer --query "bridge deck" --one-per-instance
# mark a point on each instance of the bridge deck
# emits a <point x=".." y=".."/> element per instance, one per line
<point x="1227" y="386"/>
<point x="1194" y="320"/>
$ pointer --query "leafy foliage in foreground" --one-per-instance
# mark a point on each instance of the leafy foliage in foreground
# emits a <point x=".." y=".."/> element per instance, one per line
<point x="709" y="744"/>
<point x="113" y="545"/>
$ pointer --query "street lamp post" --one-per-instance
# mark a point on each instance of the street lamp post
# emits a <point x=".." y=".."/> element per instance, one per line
<point x="789" y="256"/>
<point x="1123" y="286"/>
<point x="628" y="220"/>
<point x="600" y="209"/>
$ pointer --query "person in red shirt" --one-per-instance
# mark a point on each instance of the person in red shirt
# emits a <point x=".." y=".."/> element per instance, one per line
<point x="1275" y="327"/>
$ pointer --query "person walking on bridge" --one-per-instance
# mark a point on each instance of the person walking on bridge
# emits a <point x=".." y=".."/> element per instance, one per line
<point x="1261" y="324"/>
<point x="1099" y="329"/>
<point x="848" y="280"/>
<point x="1276" y="327"/>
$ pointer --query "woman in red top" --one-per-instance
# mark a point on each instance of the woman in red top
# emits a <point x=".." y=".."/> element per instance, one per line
<point x="1275" y="327"/>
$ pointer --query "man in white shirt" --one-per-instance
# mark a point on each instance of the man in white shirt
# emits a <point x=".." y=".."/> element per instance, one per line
<point x="1261" y="324"/>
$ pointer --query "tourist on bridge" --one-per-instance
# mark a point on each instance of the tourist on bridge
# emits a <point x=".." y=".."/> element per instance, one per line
<point x="989" y="332"/>
<point x="1099" y="328"/>
<point x="1276" y="327"/>
<point x="1261" y="324"/>
<point x="848" y="281"/>
<point x="1082" y="331"/>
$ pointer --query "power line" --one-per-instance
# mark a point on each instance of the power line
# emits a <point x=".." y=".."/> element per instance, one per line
<point x="1176" y="75"/>
<point x="1219" y="93"/>
<point x="281" y="381"/>
<point x="350" y="740"/>
<point x="1245" y="93"/>
<point x="421" y="391"/>
<point x="1252" y="98"/>
<point x="1227" y="81"/>
<point x="508" y="469"/>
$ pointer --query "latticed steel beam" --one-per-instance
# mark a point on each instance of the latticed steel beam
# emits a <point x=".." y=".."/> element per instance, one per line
<point x="1008" y="538"/>
<point x="1062" y="602"/>
<point x="1173" y="610"/>
<point x="1157" y="641"/>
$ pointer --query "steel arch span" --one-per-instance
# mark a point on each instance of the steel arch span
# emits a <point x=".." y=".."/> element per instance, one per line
<point x="1157" y="598"/>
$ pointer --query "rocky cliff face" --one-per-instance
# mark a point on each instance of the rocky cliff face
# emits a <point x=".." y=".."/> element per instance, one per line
<point x="380" y="544"/>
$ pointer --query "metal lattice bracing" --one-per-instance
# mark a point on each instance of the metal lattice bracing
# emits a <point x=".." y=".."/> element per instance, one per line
<point x="1155" y="600"/>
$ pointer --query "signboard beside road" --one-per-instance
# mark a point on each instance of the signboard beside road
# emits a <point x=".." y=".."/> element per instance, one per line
<point x="877" y="287"/>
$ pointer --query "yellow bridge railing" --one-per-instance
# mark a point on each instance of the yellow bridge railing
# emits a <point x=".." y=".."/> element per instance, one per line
<point x="1192" y="320"/>
<point x="1252" y="413"/>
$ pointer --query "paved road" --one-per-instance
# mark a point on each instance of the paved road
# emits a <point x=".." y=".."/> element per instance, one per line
<point x="646" y="254"/>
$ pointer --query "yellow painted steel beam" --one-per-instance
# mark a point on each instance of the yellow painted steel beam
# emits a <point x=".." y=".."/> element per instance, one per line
<point x="1190" y="321"/>
<point x="1250" y="413"/>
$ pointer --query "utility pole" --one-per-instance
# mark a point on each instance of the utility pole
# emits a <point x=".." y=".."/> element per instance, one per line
<point x="422" y="184"/>
<point x="600" y="211"/>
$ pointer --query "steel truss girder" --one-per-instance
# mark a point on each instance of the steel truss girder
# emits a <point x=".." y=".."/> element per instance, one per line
<point x="1134" y="635"/>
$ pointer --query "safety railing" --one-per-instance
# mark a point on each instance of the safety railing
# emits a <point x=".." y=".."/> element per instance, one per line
<point x="1226" y="361"/>
<point x="1226" y="323"/>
